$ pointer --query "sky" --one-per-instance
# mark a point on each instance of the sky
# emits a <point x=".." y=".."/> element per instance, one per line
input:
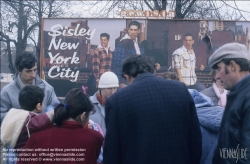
<point x="242" y="5"/>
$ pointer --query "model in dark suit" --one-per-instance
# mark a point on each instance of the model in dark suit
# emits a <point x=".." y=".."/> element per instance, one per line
<point x="152" y="120"/>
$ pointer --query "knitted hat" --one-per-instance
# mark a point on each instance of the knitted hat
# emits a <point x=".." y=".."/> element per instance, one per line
<point x="108" y="80"/>
<point x="230" y="50"/>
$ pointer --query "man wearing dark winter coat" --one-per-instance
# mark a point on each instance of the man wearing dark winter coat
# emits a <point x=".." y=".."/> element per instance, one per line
<point x="129" y="44"/>
<point x="152" y="120"/>
<point x="231" y="62"/>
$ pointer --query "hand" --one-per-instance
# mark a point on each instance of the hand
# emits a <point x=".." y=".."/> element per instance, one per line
<point x="89" y="125"/>
<point x="202" y="67"/>
<point x="157" y="66"/>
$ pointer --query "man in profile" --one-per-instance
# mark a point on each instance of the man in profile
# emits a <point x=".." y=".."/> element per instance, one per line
<point x="152" y="120"/>
<point x="184" y="62"/>
<point x="231" y="62"/>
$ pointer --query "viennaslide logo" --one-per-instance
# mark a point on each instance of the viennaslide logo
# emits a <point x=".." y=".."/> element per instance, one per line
<point x="233" y="153"/>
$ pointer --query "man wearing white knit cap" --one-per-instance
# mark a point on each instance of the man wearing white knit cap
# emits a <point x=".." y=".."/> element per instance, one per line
<point x="107" y="86"/>
<point x="231" y="62"/>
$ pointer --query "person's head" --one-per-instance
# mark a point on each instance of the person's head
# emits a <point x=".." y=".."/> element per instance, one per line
<point x="31" y="98"/>
<point x="134" y="29"/>
<point x="108" y="84"/>
<point x="188" y="41"/>
<point x="171" y="76"/>
<point x="231" y="62"/>
<point x="76" y="106"/>
<point x="104" y="39"/>
<point x="26" y="66"/>
<point x="134" y="65"/>
<point x="215" y="80"/>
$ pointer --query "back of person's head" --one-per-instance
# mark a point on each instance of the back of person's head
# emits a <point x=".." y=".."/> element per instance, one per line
<point x="25" y="60"/>
<point x="108" y="80"/>
<point x="30" y="96"/>
<point x="105" y="35"/>
<point x="171" y="76"/>
<point x="134" y="23"/>
<point x="137" y="64"/>
<point x="75" y="104"/>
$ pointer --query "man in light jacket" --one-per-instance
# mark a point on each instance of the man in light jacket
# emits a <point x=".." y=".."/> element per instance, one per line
<point x="26" y="65"/>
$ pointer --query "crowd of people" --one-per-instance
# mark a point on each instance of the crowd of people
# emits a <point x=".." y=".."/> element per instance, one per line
<point x="144" y="119"/>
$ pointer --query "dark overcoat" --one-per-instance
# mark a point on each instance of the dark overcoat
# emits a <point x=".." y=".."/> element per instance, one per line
<point x="152" y="121"/>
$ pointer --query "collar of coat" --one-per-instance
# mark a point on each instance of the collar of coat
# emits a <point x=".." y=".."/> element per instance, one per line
<point x="143" y="75"/>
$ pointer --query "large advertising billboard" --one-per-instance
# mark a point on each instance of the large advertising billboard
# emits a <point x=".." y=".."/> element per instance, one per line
<point x="70" y="47"/>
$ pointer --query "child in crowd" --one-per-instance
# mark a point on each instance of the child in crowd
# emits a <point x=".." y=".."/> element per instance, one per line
<point x="71" y="134"/>
<point x="19" y="124"/>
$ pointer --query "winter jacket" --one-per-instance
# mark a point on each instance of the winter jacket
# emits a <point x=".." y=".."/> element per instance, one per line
<point x="19" y="124"/>
<point x="81" y="145"/>
<point x="234" y="133"/>
<point x="99" y="116"/>
<point x="210" y="119"/>
<point x="152" y="121"/>
<point x="123" y="49"/>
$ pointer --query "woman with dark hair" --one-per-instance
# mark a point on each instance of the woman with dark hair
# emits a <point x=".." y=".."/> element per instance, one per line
<point x="70" y="139"/>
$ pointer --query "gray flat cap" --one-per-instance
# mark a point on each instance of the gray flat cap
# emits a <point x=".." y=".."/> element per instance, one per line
<point x="229" y="50"/>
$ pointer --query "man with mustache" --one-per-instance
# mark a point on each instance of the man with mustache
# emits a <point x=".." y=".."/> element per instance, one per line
<point x="184" y="61"/>
<point x="231" y="62"/>
<point x="26" y="66"/>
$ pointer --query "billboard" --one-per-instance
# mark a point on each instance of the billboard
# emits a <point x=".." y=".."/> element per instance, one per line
<point x="69" y="46"/>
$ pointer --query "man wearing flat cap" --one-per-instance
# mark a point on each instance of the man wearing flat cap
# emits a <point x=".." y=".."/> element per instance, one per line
<point x="231" y="62"/>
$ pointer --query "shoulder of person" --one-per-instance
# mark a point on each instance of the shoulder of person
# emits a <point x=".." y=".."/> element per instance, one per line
<point x="178" y="51"/>
<point x="17" y="112"/>
<point x="126" y="43"/>
<point x="207" y="91"/>
<point x="9" y="87"/>
<point x="45" y="84"/>
<point x="94" y="134"/>
<point x="99" y="49"/>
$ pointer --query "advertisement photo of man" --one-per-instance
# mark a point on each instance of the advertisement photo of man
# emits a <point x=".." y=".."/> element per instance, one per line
<point x="184" y="62"/>
<point x="102" y="58"/>
<point x="128" y="45"/>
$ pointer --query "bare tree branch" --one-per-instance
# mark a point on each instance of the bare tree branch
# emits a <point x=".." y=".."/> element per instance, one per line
<point x="188" y="8"/>
<point x="146" y="2"/>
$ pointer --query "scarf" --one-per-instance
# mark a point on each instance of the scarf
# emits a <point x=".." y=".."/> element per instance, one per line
<point x="100" y="99"/>
<point x="222" y="96"/>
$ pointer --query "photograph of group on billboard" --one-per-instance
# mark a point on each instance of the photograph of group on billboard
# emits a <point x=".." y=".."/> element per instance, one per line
<point x="76" y="52"/>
